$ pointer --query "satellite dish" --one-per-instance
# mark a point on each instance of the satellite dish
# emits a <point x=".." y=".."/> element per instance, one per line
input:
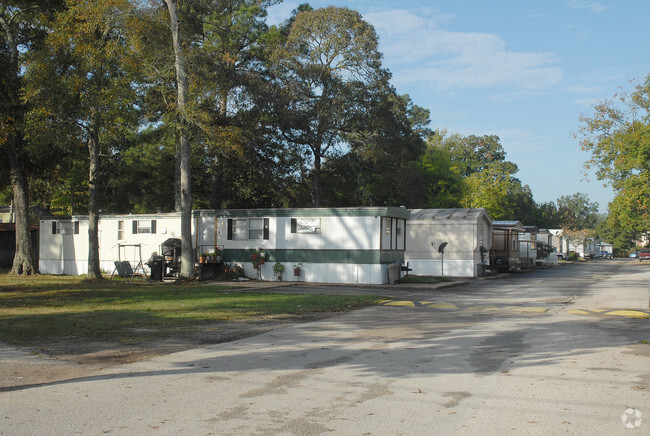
<point x="441" y="248"/>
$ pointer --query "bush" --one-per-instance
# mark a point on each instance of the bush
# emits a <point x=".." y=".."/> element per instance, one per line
<point x="573" y="255"/>
<point x="543" y="250"/>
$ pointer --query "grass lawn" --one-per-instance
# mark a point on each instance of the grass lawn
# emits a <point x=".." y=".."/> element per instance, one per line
<point x="38" y="309"/>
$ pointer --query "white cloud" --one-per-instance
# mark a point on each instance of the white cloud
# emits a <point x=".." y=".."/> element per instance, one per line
<point x="414" y="44"/>
<point x="589" y="5"/>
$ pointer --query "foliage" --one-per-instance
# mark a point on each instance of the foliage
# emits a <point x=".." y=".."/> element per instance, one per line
<point x="618" y="137"/>
<point x="278" y="268"/>
<point x="327" y="63"/>
<point x="81" y="86"/>
<point x="293" y="115"/>
<point x="544" y="250"/>
<point x="382" y="166"/>
<point x="474" y="154"/>
<point x="577" y="212"/>
<point x="442" y="177"/>
<point x="493" y="190"/>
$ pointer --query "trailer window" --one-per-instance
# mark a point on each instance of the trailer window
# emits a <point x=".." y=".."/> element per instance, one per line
<point x="256" y="228"/>
<point x="239" y="229"/>
<point x="305" y="225"/>
<point x="144" y="226"/>
<point x="65" y="227"/>
<point x="120" y="230"/>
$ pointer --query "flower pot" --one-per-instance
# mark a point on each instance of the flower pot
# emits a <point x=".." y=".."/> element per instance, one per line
<point x="262" y="260"/>
<point x="254" y="256"/>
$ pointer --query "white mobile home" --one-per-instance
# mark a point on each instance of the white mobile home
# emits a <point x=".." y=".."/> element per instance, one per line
<point x="464" y="230"/>
<point x="338" y="245"/>
<point x="333" y="245"/>
<point x="64" y="241"/>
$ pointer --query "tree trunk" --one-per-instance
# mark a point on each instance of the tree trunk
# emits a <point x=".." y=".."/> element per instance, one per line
<point x="177" y="177"/>
<point x="23" y="257"/>
<point x="94" y="271"/>
<point x="315" y="193"/>
<point x="187" y="252"/>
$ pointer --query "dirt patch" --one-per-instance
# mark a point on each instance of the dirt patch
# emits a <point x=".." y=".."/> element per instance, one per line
<point x="70" y="358"/>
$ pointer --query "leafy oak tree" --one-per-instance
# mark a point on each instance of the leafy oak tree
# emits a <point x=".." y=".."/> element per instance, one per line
<point x="383" y="164"/>
<point x="231" y="66"/>
<point x="22" y="31"/>
<point x="618" y="137"/>
<point x="81" y="86"/>
<point x="330" y="56"/>
<point x="577" y="212"/>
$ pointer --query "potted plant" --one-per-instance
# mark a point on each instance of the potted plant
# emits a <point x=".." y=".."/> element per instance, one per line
<point x="203" y="258"/>
<point x="278" y="269"/>
<point x="297" y="268"/>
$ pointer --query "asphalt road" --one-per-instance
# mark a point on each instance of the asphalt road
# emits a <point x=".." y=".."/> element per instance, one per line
<point x="529" y="354"/>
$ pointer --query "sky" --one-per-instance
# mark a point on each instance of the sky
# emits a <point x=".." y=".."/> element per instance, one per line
<point x="522" y="70"/>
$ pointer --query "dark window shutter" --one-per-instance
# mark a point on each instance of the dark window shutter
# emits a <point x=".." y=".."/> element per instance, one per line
<point x="266" y="228"/>
<point x="54" y="227"/>
<point x="229" y="229"/>
<point x="153" y="226"/>
<point x="135" y="227"/>
<point x="76" y="227"/>
<point x="294" y="225"/>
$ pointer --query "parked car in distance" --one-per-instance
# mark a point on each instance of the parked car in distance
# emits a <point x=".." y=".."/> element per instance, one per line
<point x="634" y="255"/>
<point x="560" y="256"/>
<point x="644" y="254"/>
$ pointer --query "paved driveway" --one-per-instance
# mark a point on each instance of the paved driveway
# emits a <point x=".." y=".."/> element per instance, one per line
<point x="390" y="370"/>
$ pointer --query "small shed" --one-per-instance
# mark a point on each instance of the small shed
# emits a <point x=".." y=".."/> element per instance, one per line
<point x="505" y="244"/>
<point x="464" y="230"/>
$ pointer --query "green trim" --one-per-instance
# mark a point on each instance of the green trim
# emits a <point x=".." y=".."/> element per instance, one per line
<point x="317" y="256"/>
<point x="392" y="212"/>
